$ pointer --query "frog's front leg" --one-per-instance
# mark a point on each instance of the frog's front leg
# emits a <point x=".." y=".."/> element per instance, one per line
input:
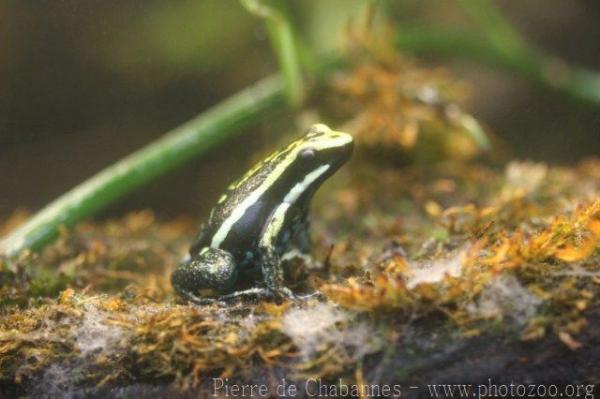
<point x="268" y="257"/>
<point x="250" y="293"/>
<point x="301" y="237"/>
<point x="299" y="243"/>
<point x="272" y="272"/>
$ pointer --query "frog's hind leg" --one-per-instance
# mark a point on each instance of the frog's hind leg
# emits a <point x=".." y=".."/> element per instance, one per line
<point x="210" y="268"/>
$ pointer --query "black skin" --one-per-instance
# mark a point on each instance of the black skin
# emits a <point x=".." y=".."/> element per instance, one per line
<point x="250" y="244"/>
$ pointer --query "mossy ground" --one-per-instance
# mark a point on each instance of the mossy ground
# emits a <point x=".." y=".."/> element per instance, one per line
<point x="438" y="242"/>
<point x="531" y="230"/>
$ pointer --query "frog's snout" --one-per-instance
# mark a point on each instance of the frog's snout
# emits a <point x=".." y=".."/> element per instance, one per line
<point x="343" y="148"/>
<point x="348" y="147"/>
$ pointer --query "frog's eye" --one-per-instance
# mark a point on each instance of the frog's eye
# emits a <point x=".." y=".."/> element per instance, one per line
<point x="308" y="153"/>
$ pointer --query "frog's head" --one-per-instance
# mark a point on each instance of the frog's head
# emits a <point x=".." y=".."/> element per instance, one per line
<point x="316" y="156"/>
<point x="300" y="168"/>
<point x="323" y="146"/>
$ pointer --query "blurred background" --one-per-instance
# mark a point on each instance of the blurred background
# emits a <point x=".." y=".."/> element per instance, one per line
<point x="86" y="82"/>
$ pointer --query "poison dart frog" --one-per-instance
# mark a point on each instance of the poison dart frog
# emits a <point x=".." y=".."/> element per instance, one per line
<point x="260" y="219"/>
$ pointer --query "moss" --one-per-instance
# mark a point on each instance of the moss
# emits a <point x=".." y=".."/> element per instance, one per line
<point x="544" y="247"/>
<point x="426" y="257"/>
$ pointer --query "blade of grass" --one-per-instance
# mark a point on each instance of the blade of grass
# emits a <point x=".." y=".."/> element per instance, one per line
<point x="194" y="137"/>
<point x="547" y="71"/>
<point x="284" y="43"/>
<point x="497" y="29"/>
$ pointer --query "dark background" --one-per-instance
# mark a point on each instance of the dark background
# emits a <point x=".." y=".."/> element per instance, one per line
<point x="86" y="82"/>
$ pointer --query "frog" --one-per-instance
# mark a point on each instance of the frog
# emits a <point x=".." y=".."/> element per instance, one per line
<point x="261" y="220"/>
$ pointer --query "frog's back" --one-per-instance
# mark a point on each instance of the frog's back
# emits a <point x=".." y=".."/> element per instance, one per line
<point x="285" y="181"/>
<point x="235" y="221"/>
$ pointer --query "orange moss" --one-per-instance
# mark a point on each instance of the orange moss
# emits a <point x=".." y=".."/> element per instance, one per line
<point x="397" y="107"/>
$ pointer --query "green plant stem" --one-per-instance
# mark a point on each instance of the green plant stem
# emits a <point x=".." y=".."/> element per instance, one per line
<point x="282" y="38"/>
<point x="547" y="71"/>
<point x="189" y="140"/>
<point x="284" y="43"/>
<point x="499" y="32"/>
<point x="543" y="69"/>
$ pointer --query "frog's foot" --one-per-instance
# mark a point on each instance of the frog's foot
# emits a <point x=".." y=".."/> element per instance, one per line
<point x="317" y="295"/>
<point x="286" y="293"/>
<point x="224" y="300"/>
<point x="282" y="292"/>
<point x="296" y="254"/>
<point x="251" y="293"/>
<point x="202" y="301"/>
<point x="267" y="293"/>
